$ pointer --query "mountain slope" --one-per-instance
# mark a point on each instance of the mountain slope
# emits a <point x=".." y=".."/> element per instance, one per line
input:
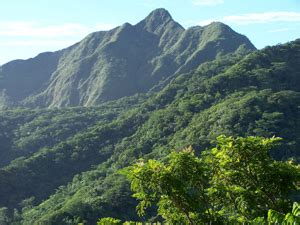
<point x="121" y="62"/>
<point x="76" y="179"/>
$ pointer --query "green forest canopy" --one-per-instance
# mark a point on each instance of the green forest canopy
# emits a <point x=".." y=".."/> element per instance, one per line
<point x="73" y="177"/>
<point x="235" y="182"/>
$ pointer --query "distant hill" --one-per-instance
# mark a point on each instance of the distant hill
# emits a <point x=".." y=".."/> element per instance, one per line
<point x="109" y="65"/>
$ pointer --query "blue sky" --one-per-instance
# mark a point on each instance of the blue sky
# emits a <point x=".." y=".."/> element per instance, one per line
<point x="33" y="26"/>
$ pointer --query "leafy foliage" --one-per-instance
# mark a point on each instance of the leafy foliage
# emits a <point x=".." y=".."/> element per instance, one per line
<point x="108" y="221"/>
<point x="289" y="218"/>
<point x="178" y="185"/>
<point x="234" y="183"/>
<point x="245" y="182"/>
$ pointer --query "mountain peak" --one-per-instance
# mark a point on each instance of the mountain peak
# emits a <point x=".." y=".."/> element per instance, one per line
<point x="159" y="14"/>
<point x="157" y="19"/>
<point x="218" y="25"/>
<point x="109" y="65"/>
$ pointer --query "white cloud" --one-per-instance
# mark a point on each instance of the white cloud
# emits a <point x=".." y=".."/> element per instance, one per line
<point x="37" y="42"/>
<point x="265" y="17"/>
<point x="207" y="2"/>
<point x="284" y="29"/>
<point x="256" y="18"/>
<point x="279" y="30"/>
<point x="34" y="29"/>
<point x="23" y="39"/>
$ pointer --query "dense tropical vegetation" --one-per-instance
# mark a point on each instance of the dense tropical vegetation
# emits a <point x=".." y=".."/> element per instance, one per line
<point x="61" y="165"/>
<point x="236" y="182"/>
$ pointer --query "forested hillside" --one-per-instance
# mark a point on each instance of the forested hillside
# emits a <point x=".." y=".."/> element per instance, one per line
<point x="73" y="176"/>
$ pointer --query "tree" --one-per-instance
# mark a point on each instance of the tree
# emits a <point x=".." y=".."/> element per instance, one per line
<point x="245" y="182"/>
<point x="237" y="181"/>
<point x="290" y="218"/>
<point x="177" y="185"/>
<point x="4" y="216"/>
<point x="109" y="221"/>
